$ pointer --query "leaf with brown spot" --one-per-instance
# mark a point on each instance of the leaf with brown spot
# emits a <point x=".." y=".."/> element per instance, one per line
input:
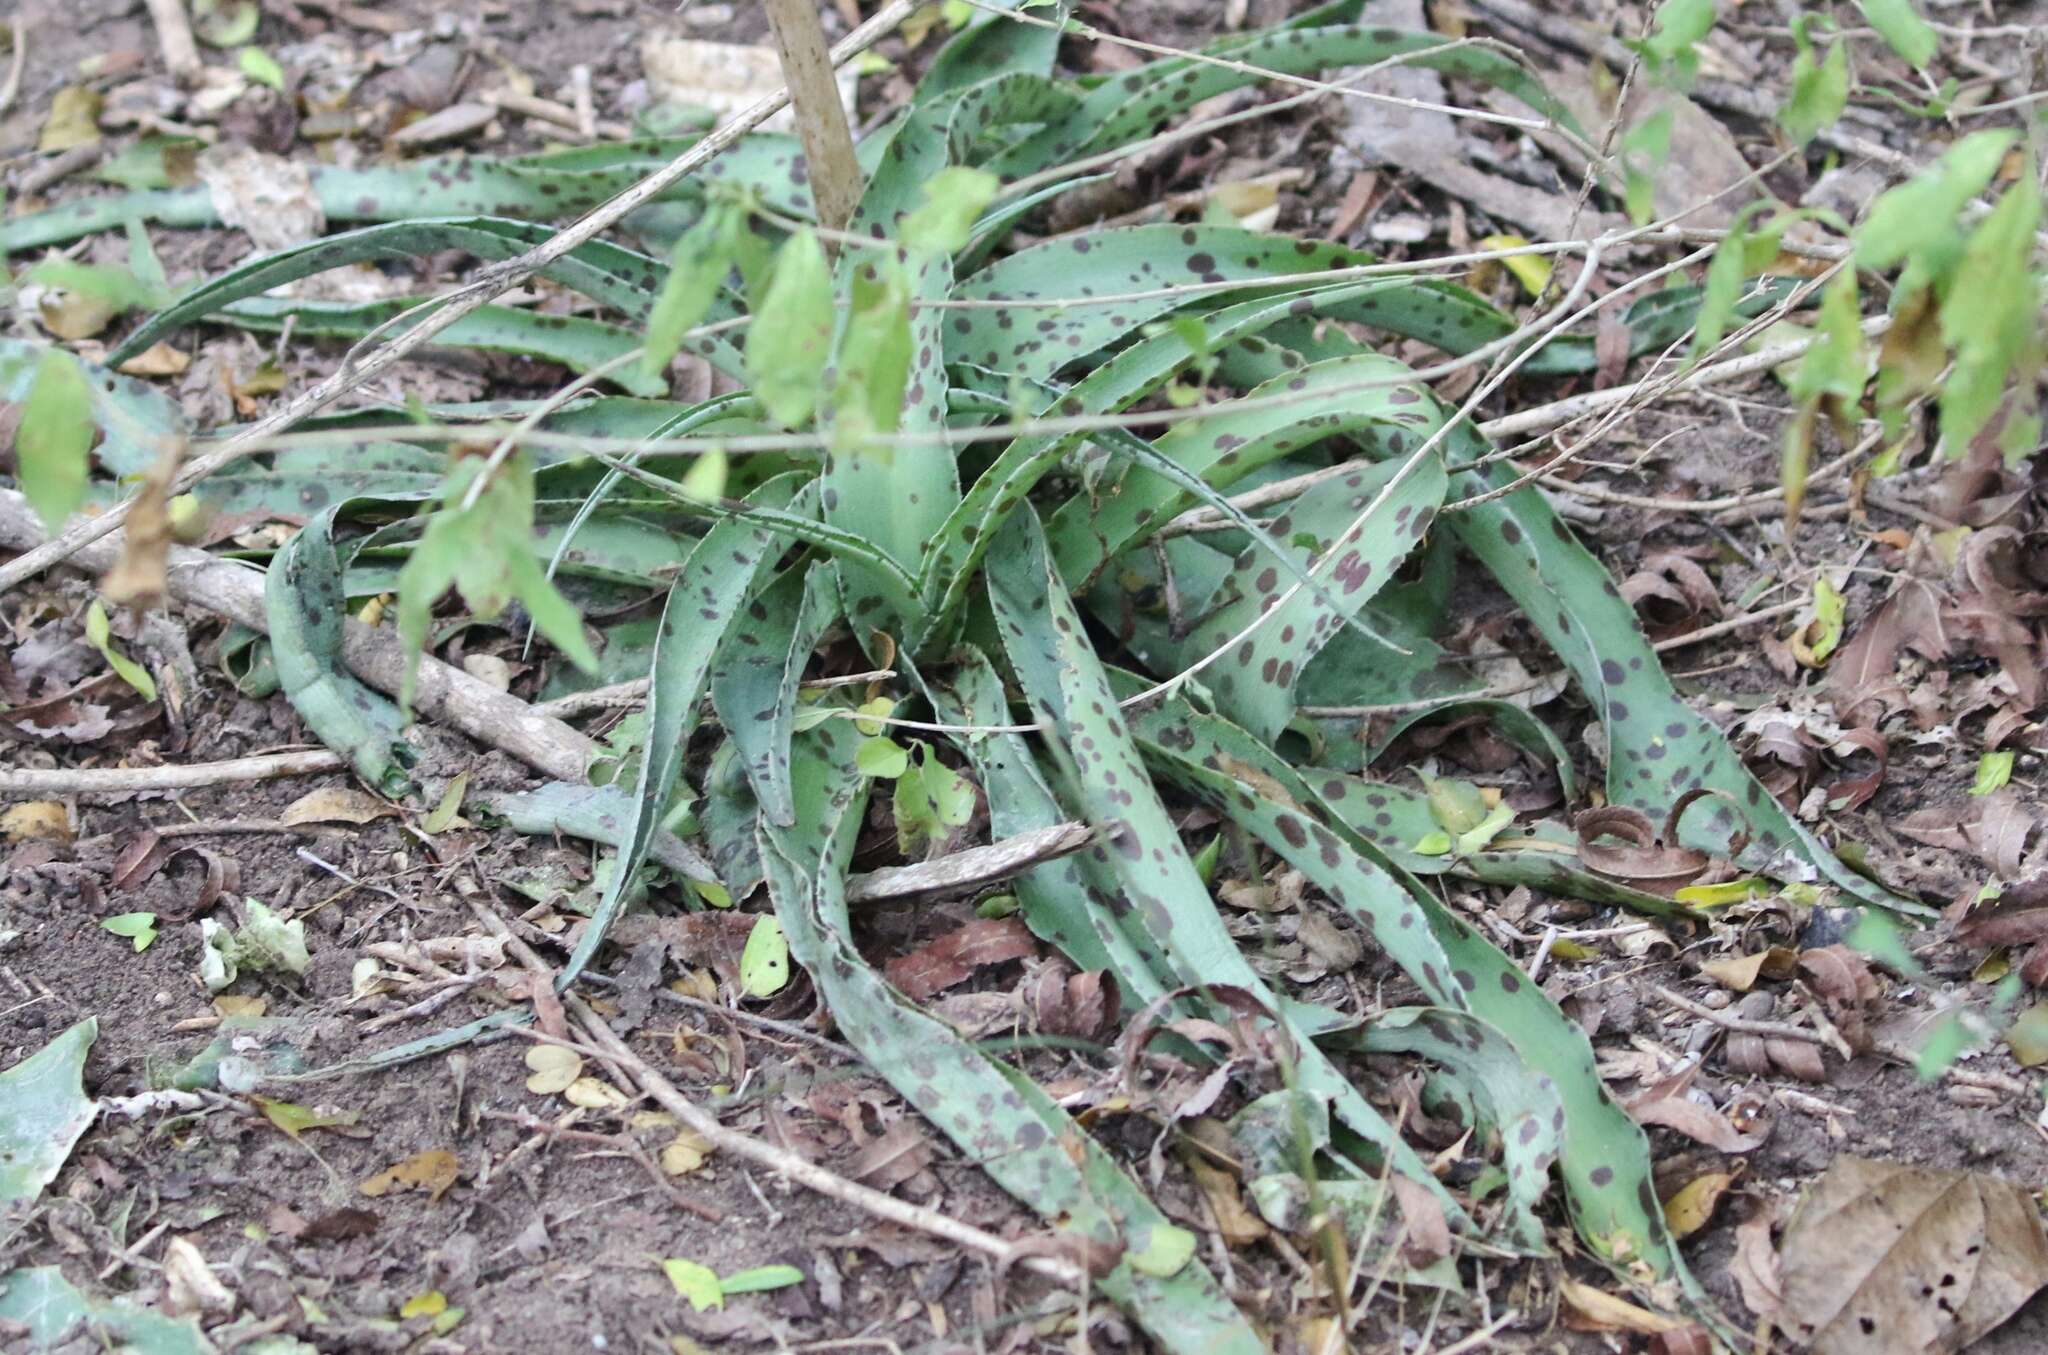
<point x="433" y="1171"/>
<point x="953" y="958"/>
<point x="1886" y="1259"/>
<point x="337" y="804"/>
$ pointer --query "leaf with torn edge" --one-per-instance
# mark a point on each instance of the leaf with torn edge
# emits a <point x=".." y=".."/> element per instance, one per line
<point x="46" y="1112"/>
<point x="1886" y="1259"/>
<point x="954" y="957"/>
<point x="433" y="1171"/>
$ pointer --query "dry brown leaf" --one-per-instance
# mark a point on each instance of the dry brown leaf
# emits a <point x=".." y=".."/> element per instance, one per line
<point x="953" y="958"/>
<point x="1846" y="987"/>
<point x="1886" y="1259"/>
<point x="1692" y="1206"/>
<point x="1740" y="972"/>
<point x="433" y="1171"/>
<point x="1427" y="1236"/>
<point x="551" y="1069"/>
<point x="1590" y="1309"/>
<point x="1755" y="1265"/>
<point x="37" y="821"/>
<point x="137" y="578"/>
<point x="1237" y="1225"/>
<point x="901" y="1152"/>
<point x="1701" y="1124"/>
<point x="191" y="1287"/>
<point x="159" y="359"/>
<point x="337" y="804"/>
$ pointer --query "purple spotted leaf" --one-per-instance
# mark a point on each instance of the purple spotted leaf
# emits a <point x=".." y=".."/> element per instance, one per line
<point x="1102" y="773"/>
<point x="1605" y="1160"/>
<point x="998" y="1117"/>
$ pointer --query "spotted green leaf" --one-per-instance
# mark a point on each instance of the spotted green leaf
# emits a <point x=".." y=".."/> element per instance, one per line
<point x="999" y="1117"/>
<point x="305" y="609"/>
<point x="1161" y="890"/>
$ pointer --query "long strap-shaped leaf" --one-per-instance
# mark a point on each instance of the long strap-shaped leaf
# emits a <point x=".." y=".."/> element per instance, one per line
<point x="707" y="594"/>
<point x="1010" y="1128"/>
<point x="1606" y="1159"/>
<point x="1356" y="530"/>
<point x="1070" y="902"/>
<point x="606" y="273"/>
<point x="1161" y="889"/>
<point x="1037" y="341"/>
<point x="575" y="341"/>
<point x="550" y="186"/>
<point x="1129" y="106"/>
<point x="303" y="601"/>
<point x="1322" y="401"/>
<point x="755" y="675"/>
<point x="1658" y="747"/>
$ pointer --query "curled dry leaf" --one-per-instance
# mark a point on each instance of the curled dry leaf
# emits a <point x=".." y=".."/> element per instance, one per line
<point x="1061" y="1002"/>
<point x="1692" y="1206"/>
<point x="1741" y="972"/>
<point x="190" y="1286"/>
<point x="1763" y="1056"/>
<point x="1590" y="1309"/>
<point x="1636" y="858"/>
<point x="1672" y="594"/>
<point x="1235" y="1224"/>
<point x="1755" y="1265"/>
<point x="1886" y="1259"/>
<point x="37" y="821"/>
<point x="2017" y="918"/>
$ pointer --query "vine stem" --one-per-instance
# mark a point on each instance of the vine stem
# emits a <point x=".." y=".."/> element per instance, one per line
<point x="443" y="311"/>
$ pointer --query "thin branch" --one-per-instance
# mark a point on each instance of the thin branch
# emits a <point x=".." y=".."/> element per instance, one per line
<point x="139" y="780"/>
<point x="973" y="868"/>
<point x="802" y="1170"/>
<point x="376" y="655"/>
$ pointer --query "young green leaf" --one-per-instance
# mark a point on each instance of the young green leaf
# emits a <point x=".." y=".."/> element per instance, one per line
<point x="697" y="1283"/>
<point x="760" y="1279"/>
<point x="882" y="757"/>
<point x="954" y="197"/>
<point x="1164" y="1250"/>
<point x="1900" y="25"/>
<point x="1647" y="143"/>
<point x="261" y="67"/>
<point x="790" y="341"/>
<point x="764" y="964"/>
<point x="1994" y="770"/>
<point x="137" y="927"/>
<point x="1820" y="88"/>
<point x="486" y="552"/>
<point x="1923" y="210"/>
<point x="931" y="800"/>
<point x="55" y="438"/>
<point x="874" y="353"/>
<point x="1680" y="24"/>
<point x="97" y="635"/>
<point x="697" y="269"/>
